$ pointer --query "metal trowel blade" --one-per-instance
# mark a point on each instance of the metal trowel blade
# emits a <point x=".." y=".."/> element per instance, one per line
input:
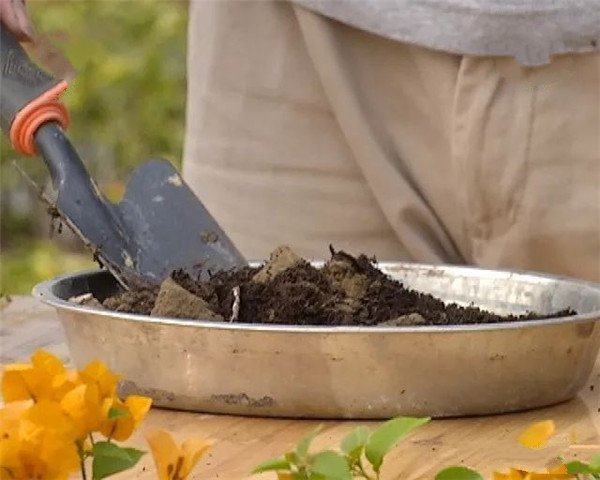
<point x="168" y="228"/>
<point x="158" y="227"/>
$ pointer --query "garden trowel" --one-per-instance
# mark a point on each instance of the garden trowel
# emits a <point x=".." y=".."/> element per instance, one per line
<point x="159" y="226"/>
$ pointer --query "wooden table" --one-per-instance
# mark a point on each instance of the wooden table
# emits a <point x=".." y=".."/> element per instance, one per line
<point x="484" y="443"/>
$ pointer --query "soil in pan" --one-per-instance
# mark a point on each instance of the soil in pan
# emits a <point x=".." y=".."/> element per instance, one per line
<point x="347" y="290"/>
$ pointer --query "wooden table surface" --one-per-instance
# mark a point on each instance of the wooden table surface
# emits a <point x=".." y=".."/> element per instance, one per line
<point x="483" y="443"/>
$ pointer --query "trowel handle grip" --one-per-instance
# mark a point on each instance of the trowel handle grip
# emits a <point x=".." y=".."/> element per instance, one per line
<point x="28" y="95"/>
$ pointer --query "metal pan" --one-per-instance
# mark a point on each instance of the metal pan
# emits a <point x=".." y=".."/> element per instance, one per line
<point x="351" y="372"/>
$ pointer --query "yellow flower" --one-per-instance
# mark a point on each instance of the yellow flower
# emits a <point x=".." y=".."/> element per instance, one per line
<point x="84" y="406"/>
<point x="45" y="378"/>
<point x="174" y="462"/>
<point x="537" y="435"/>
<point x="46" y="416"/>
<point x="97" y="373"/>
<point x="558" y="473"/>
<point x="560" y="469"/>
<point x="121" y="418"/>
<point x="37" y="441"/>
<point x="50" y="412"/>
<point x="9" y="439"/>
<point x="14" y="387"/>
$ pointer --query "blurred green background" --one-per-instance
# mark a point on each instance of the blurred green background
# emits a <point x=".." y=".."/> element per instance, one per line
<point x="127" y="104"/>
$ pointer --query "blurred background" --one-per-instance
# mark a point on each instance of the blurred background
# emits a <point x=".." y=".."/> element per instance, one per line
<point x="127" y="104"/>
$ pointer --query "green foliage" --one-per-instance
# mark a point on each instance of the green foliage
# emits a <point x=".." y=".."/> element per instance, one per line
<point x="386" y="436"/>
<point x="109" y="458"/>
<point x="128" y="98"/>
<point x="304" y="444"/>
<point x="273" y="465"/>
<point x="127" y="101"/>
<point x="32" y="262"/>
<point x="592" y="468"/>
<point x="353" y="444"/>
<point x="458" y="473"/>
<point x="360" y="443"/>
<point x="330" y="465"/>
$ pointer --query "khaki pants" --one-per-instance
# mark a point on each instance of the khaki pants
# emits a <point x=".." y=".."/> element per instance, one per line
<point x="305" y="131"/>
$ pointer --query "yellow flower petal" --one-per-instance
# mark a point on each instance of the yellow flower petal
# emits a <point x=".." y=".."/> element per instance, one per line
<point x="193" y="450"/>
<point x="548" y="476"/>
<point x="37" y="441"/>
<point x="10" y="460"/>
<point x="562" y="469"/>
<point x="14" y="387"/>
<point x="120" y="428"/>
<point x="10" y="415"/>
<point x="83" y="405"/>
<point x="138" y="406"/>
<point x="46" y="416"/>
<point x="135" y="408"/>
<point x="165" y="452"/>
<point x="58" y="458"/>
<point x="171" y="460"/>
<point x="515" y="474"/>
<point x="37" y="380"/>
<point x="47" y="362"/>
<point x="62" y="383"/>
<point x="559" y="473"/>
<point x="98" y="373"/>
<point x="537" y="434"/>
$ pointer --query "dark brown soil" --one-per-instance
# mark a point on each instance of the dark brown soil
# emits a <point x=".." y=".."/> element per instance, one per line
<point x="346" y="291"/>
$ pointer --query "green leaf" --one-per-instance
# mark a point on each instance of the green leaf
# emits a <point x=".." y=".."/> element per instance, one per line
<point x="304" y="443"/>
<point x="273" y="465"/>
<point x="386" y="436"/>
<point x="458" y="473"/>
<point x="353" y="443"/>
<point x="593" y="468"/>
<point x="578" y="467"/>
<point x="114" y="413"/>
<point x="109" y="459"/>
<point x="330" y="465"/>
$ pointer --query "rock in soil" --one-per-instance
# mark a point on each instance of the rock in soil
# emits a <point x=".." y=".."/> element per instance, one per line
<point x="86" y="299"/>
<point x="288" y="290"/>
<point x="280" y="259"/>
<point x="174" y="301"/>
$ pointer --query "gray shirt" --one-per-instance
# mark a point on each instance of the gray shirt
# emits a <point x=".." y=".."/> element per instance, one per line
<point x="529" y="30"/>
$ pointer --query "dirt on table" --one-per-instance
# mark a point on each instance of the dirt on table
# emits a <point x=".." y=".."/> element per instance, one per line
<point x="288" y="290"/>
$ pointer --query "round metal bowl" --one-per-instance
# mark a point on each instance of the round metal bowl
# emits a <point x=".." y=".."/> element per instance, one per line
<point x="350" y="372"/>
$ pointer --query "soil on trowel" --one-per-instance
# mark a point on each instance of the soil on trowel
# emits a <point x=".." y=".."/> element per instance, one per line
<point x="287" y="289"/>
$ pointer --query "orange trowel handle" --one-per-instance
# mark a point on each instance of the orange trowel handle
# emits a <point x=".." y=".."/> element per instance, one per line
<point x="28" y="96"/>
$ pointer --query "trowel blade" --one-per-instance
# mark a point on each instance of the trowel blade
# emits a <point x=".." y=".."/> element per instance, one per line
<point x="169" y="228"/>
<point x="158" y="227"/>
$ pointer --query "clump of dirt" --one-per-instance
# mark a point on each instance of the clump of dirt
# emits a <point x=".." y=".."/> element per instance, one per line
<point x="282" y="258"/>
<point x="133" y="301"/>
<point x="174" y="301"/>
<point x="287" y="289"/>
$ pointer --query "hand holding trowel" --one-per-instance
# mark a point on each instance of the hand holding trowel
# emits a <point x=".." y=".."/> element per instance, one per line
<point x="158" y="227"/>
